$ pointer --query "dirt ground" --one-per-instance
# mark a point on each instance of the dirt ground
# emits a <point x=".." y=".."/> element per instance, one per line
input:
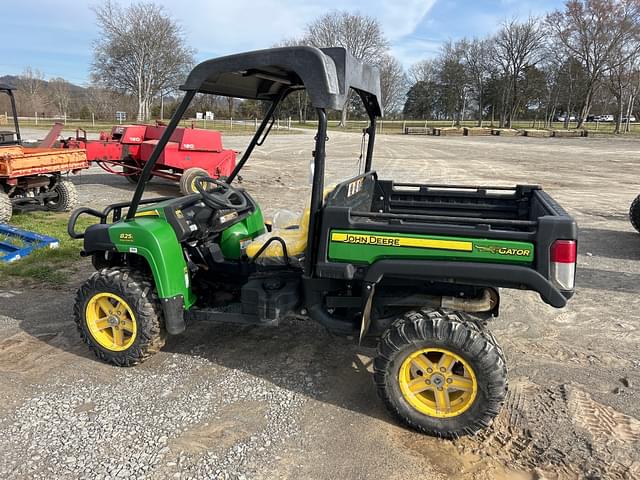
<point x="573" y="409"/>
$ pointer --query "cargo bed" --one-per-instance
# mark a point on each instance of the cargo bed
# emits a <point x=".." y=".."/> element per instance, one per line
<point x="17" y="161"/>
<point x="459" y="234"/>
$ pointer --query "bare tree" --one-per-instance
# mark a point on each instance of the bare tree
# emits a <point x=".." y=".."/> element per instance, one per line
<point x="392" y="83"/>
<point x="479" y="63"/>
<point x="141" y="50"/>
<point x="31" y="91"/>
<point x="634" y="91"/>
<point x="518" y="46"/>
<point x="452" y="81"/>
<point x="423" y="71"/>
<point x="621" y="76"/>
<point x="593" y="31"/>
<point x="361" y="35"/>
<point x="60" y="94"/>
<point x="104" y="102"/>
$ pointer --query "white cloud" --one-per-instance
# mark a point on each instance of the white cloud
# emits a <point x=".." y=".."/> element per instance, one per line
<point x="212" y="27"/>
<point x="400" y="19"/>
<point x="233" y="26"/>
<point x="413" y="50"/>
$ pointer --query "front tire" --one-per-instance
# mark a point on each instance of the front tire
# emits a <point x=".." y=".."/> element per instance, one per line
<point x="440" y="373"/>
<point x="6" y="209"/>
<point x="119" y="316"/>
<point x="67" y="197"/>
<point x="634" y="213"/>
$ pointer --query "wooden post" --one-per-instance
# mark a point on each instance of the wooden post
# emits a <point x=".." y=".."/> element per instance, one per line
<point x="93" y="119"/>
<point x="231" y="123"/>
<point x="36" y="118"/>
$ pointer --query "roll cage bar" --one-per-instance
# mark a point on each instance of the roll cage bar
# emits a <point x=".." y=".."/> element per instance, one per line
<point x="8" y="89"/>
<point x="271" y="75"/>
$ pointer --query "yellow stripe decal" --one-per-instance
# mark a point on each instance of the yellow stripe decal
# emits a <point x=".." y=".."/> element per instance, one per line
<point x="148" y="213"/>
<point x="389" y="241"/>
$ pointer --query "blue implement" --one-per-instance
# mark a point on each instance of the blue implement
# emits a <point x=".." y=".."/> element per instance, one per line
<point x="16" y="243"/>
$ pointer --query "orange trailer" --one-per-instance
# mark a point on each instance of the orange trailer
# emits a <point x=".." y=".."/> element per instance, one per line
<point x="33" y="177"/>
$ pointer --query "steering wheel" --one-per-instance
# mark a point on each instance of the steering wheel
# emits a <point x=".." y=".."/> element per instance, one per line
<point x="222" y="196"/>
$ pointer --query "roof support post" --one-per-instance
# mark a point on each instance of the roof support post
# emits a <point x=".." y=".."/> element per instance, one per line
<point x="255" y="140"/>
<point x="317" y="190"/>
<point x="164" y="139"/>
<point x="371" y="131"/>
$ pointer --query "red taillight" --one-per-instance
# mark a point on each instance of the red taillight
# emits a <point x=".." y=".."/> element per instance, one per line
<point x="563" y="263"/>
<point x="563" y="251"/>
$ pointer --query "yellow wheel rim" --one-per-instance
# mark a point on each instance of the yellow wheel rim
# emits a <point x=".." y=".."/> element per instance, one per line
<point x="194" y="189"/>
<point x="111" y="322"/>
<point x="437" y="382"/>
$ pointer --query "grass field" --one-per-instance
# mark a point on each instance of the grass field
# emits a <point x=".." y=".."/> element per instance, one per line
<point x="239" y="127"/>
<point x="49" y="266"/>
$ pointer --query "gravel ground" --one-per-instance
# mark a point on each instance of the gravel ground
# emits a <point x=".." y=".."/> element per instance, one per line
<point x="68" y="417"/>
<point x="223" y="401"/>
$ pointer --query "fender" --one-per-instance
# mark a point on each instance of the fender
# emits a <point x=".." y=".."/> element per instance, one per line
<point x="153" y="239"/>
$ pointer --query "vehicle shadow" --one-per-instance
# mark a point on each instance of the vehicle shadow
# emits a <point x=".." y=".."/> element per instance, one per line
<point x="156" y="185"/>
<point x="299" y="355"/>
<point x="624" y="245"/>
<point x="607" y="280"/>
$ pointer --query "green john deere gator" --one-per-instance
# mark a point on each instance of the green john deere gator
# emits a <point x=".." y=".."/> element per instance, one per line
<point x="417" y="266"/>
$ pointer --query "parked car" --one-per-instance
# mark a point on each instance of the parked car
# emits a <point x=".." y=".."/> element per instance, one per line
<point x="563" y="118"/>
<point x="606" y="118"/>
<point x="631" y="118"/>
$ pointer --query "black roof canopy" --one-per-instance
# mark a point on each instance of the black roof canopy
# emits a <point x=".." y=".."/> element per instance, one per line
<point x="5" y="86"/>
<point x="327" y="74"/>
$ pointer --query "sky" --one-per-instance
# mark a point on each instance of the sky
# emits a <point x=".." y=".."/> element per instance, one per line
<point x="56" y="36"/>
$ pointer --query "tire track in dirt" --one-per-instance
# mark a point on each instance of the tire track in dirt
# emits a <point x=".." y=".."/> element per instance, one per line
<point x="603" y="421"/>
<point x="559" y="432"/>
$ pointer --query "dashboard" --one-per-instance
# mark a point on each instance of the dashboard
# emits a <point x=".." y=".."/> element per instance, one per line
<point x="192" y="219"/>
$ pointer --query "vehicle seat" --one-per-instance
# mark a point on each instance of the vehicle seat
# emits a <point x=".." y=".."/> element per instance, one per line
<point x="292" y="230"/>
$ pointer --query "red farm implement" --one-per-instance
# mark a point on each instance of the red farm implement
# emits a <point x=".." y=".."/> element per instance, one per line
<point x="191" y="152"/>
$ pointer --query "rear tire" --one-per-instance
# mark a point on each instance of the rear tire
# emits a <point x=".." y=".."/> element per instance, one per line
<point x="134" y="330"/>
<point x="460" y="400"/>
<point x="67" y="197"/>
<point x="634" y="213"/>
<point x="187" y="185"/>
<point x="6" y="209"/>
